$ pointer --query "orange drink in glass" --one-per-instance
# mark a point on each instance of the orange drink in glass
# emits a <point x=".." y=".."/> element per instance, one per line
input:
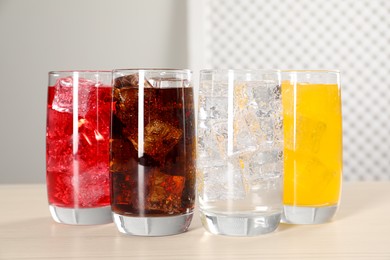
<point x="312" y="123"/>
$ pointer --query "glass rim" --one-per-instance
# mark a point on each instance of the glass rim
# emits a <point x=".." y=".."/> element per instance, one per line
<point x="171" y="70"/>
<point x="331" y="71"/>
<point x="207" y="71"/>
<point x="80" y="71"/>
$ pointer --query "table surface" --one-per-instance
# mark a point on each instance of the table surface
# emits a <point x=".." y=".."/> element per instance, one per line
<point x="360" y="230"/>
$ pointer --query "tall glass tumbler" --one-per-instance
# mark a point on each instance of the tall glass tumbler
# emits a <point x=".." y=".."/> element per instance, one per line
<point x="153" y="151"/>
<point x="77" y="146"/>
<point x="313" y="145"/>
<point x="240" y="151"/>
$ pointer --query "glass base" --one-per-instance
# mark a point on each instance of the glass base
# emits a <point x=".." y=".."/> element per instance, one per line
<point x="239" y="225"/>
<point x="81" y="216"/>
<point x="308" y="215"/>
<point x="153" y="226"/>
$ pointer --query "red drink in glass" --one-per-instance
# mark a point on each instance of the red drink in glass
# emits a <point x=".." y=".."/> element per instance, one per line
<point x="77" y="146"/>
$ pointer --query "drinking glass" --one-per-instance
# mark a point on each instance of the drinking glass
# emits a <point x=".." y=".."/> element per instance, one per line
<point x="240" y="151"/>
<point x="152" y="151"/>
<point x="313" y="145"/>
<point x="77" y="146"/>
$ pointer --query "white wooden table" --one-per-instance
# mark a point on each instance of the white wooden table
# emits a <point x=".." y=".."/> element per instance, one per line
<point x="361" y="230"/>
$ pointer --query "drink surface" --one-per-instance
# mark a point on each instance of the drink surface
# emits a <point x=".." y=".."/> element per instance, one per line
<point x="77" y="158"/>
<point x="240" y="144"/>
<point x="313" y="144"/>
<point x="152" y="148"/>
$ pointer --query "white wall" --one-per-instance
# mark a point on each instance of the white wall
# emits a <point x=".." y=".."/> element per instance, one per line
<point x="352" y="36"/>
<point x="43" y="35"/>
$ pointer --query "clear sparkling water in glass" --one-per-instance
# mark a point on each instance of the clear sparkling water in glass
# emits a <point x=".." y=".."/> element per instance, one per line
<point x="240" y="151"/>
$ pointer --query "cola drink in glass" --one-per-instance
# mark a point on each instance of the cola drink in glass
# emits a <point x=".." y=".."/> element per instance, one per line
<point x="152" y="160"/>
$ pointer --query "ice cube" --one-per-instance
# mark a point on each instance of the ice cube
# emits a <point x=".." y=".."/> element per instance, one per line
<point x="259" y="165"/>
<point x="260" y="93"/>
<point x="308" y="135"/>
<point x="208" y="150"/>
<point x="99" y="106"/>
<point x="59" y="155"/>
<point x="314" y="177"/>
<point x="219" y="137"/>
<point x="246" y="129"/>
<point x="159" y="139"/>
<point x="265" y="92"/>
<point x="63" y="97"/>
<point x="130" y="81"/>
<point x="222" y="183"/>
<point x="93" y="185"/>
<point x="214" y="107"/>
<point x="126" y="106"/>
<point x="204" y="138"/>
<point x="268" y="130"/>
<point x="164" y="192"/>
<point x="125" y="96"/>
<point x="59" y="125"/>
<point x="241" y="97"/>
<point x="257" y="116"/>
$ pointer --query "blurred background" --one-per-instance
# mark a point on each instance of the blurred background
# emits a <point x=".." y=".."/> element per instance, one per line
<point x="44" y="35"/>
<point x="38" y="36"/>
